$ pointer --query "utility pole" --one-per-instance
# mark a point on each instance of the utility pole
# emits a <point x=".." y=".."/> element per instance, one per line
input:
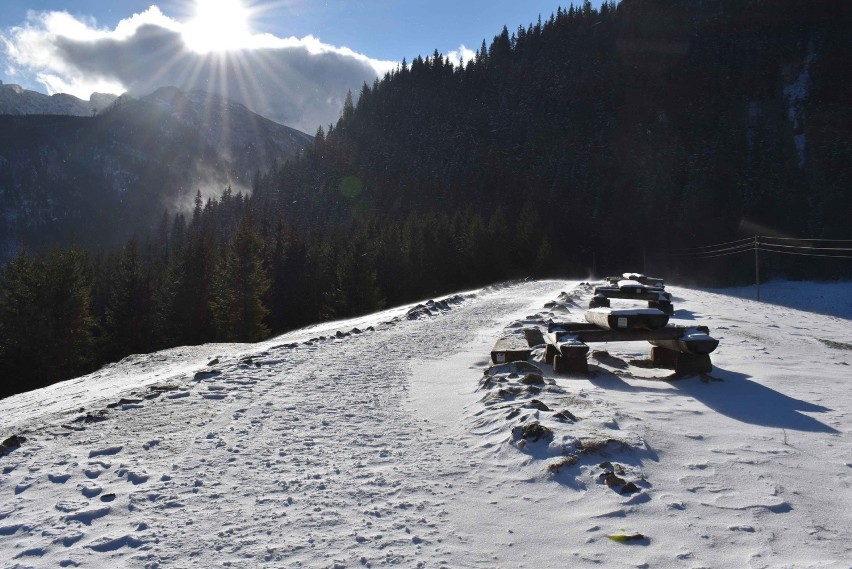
<point x="644" y="261"/>
<point x="757" y="266"/>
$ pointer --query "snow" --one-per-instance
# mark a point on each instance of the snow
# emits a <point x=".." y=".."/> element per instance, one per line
<point x="388" y="440"/>
<point x="626" y="311"/>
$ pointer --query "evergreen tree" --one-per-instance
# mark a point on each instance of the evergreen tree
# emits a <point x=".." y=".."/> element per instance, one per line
<point x="45" y="320"/>
<point x="356" y="287"/>
<point x="127" y="322"/>
<point x="240" y="282"/>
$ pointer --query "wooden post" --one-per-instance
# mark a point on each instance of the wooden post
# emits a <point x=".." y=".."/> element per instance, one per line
<point x="757" y="266"/>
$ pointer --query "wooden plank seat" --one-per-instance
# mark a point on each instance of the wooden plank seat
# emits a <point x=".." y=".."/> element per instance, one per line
<point x="510" y="349"/>
<point x="686" y="349"/>
<point x="627" y="319"/>
<point x="587" y="332"/>
<point x="638" y="277"/>
<point x="517" y="347"/>
<point x="566" y="354"/>
<point x="656" y="297"/>
<point x="692" y="342"/>
<point x="633" y="289"/>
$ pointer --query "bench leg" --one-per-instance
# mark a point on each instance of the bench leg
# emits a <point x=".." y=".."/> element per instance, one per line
<point x="561" y="364"/>
<point x="693" y="363"/>
<point x="550" y="352"/>
<point x="681" y="363"/>
<point x="665" y="307"/>
<point x="662" y="357"/>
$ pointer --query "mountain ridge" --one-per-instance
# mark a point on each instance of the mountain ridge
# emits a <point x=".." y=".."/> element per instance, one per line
<point x="16" y="100"/>
<point x="101" y="179"/>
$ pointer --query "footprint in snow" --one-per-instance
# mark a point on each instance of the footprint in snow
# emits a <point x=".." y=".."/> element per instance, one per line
<point x="215" y="395"/>
<point x="69" y="540"/>
<point x="106" y="544"/>
<point x="90" y="490"/>
<point x="206" y="373"/>
<point x="88" y="516"/>
<point x="134" y="478"/>
<point x="35" y="552"/>
<point x="178" y="395"/>
<point x="59" y="478"/>
<point x="127" y="403"/>
<point x="107" y="451"/>
<point x="92" y="473"/>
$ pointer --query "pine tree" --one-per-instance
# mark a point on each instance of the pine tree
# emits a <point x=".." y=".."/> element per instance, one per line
<point x="356" y="288"/>
<point x="45" y="320"/>
<point x="240" y="282"/>
<point x="348" y="110"/>
<point x="128" y="311"/>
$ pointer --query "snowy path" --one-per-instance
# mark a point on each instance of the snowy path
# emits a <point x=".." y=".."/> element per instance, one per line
<point x="377" y="448"/>
<point x="305" y="456"/>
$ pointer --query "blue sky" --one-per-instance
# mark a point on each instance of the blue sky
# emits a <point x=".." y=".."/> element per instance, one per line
<point x="334" y="45"/>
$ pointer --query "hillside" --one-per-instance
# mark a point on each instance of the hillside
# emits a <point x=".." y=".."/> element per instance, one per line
<point x="99" y="180"/>
<point x="331" y="447"/>
<point x="676" y="123"/>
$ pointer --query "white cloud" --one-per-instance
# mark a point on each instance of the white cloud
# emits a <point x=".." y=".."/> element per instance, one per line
<point x="301" y="82"/>
<point x="462" y="54"/>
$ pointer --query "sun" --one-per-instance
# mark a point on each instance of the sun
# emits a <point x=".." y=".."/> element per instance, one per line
<point x="218" y="25"/>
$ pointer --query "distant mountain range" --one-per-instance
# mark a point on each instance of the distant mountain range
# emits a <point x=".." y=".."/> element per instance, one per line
<point x="68" y="175"/>
<point x="15" y="100"/>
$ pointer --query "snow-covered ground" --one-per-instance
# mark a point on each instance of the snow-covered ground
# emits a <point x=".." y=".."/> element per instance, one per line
<point x="379" y="441"/>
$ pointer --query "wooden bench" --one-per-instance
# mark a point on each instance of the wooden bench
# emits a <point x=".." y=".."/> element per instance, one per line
<point x="685" y="349"/>
<point x="639" y="277"/>
<point x="655" y="296"/>
<point x="566" y="353"/>
<point x="627" y="319"/>
<point x="510" y="349"/>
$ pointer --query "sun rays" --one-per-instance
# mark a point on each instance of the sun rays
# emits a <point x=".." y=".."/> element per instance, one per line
<point x="218" y="46"/>
<point x="218" y="25"/>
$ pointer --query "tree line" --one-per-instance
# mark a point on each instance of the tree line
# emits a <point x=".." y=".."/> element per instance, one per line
<point x="231" y="272"/>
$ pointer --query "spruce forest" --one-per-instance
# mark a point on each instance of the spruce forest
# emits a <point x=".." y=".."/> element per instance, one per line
<point x="592" y="139"/>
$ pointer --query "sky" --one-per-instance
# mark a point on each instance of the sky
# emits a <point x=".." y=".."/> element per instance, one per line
<point x="291" y="60"/>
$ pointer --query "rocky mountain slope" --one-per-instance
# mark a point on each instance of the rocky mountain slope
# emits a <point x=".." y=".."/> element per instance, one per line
<point x="98" y="180"/>
<point x="15" y="100"/>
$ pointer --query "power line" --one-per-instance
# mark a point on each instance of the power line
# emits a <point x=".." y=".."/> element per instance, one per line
<point x="763" y="247"/>
<point x="805" y="239"/>
<point x="808" y="248"/>
<point x="746" y="250"/>
<point x="763" y="243"/>
<point x="749" y="244"/>
<point x="737" y="248"/>
<point x="746" y="240"/>
<point x="805" y="254"/>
